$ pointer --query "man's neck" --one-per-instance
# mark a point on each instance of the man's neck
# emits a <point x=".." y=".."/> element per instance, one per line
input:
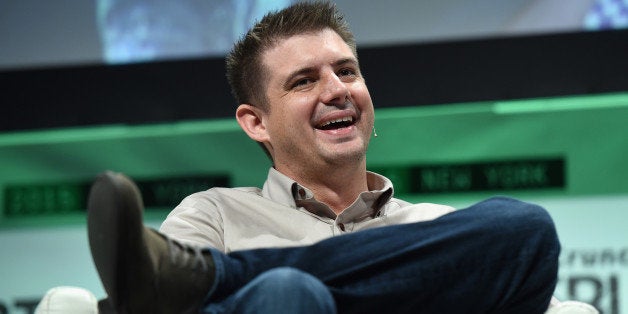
<point x="338" y="187"/>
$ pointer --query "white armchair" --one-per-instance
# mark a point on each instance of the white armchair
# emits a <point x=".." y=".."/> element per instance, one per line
<point x="68" y="300"/>
<point x="74" y="300"/>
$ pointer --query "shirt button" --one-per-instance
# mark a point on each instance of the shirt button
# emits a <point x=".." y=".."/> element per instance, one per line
<point x="341" y="226"/>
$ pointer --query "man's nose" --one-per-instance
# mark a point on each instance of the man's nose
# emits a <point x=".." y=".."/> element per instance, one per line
<point x="335" y="91"/>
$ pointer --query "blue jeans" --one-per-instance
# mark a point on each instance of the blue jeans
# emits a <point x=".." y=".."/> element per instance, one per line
<point x="279" y="290"/>
<point x="498" y="256"/>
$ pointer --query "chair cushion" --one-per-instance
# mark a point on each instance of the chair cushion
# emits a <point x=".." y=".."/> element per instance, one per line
<point x="68" y="300"/>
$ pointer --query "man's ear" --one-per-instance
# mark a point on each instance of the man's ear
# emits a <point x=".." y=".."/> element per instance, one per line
<point x="251" y="120"/>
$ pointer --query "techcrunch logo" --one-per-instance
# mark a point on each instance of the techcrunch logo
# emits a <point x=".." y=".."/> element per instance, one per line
<point x="595" y="276"/>
<point x="595" y="257"/>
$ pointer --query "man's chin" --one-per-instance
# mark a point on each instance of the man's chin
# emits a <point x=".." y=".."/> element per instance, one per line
<point x="345" y="156"/>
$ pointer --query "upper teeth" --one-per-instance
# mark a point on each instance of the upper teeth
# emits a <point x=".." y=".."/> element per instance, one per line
<point x="345" y="119"/>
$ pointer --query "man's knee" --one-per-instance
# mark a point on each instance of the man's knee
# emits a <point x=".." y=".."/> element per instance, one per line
<point x="515" y="217"/>
<point x="514" y="211"/>
<point x="287" y="278"/>
<point x="280" y="290"/>
<point x="294" y="288"/>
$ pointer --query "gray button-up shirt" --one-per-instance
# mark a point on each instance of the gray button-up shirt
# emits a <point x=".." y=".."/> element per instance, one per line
<point x="284" y="213"/>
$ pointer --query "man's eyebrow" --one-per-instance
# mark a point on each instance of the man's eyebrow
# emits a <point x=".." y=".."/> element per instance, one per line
<point x="344" y="61"/>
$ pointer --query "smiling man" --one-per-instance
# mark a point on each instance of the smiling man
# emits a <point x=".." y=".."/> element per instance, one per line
<point x="323" y="235"/>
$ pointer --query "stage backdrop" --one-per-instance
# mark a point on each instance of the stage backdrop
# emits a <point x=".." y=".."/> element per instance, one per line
<point x="566" y="153"/>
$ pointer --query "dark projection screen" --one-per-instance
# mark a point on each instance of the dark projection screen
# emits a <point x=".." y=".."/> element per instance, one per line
<point x="43" y="33"/>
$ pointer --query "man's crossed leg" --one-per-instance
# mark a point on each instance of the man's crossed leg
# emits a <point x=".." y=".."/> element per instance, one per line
<point x="498" y="256"/>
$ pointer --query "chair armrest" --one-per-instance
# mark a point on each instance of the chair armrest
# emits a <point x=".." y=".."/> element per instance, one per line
<point x="570" y="307"/>
<point x="68" y="300"/>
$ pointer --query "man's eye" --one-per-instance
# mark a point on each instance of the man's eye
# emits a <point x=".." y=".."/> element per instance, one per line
<point x="346" y="72"/>
<point x="302" y="82"/>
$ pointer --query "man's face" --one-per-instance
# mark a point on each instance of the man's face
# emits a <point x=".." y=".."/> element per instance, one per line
<point x="320" y="110"/>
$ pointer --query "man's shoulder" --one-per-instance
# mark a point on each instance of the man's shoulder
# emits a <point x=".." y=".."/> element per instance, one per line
<point x="199" y="218"/>
<point x="223" y="192"/>
<point x="404" y="211"/>
<point x="217" y="197"/>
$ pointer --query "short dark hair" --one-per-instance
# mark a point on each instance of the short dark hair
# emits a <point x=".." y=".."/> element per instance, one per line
<point x="245" y="71"/>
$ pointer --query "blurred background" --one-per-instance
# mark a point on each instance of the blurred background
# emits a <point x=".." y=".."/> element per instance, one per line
<point x="527" y="98"/>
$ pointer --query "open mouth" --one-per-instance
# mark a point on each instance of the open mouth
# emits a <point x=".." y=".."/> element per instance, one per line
<point x="336" y="124"/>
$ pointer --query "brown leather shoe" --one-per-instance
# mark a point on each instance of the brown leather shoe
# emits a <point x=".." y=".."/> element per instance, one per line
<point x="142" y="270"/>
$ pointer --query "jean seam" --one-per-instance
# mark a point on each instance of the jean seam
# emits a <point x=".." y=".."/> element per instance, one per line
<point x="219" y="273"/>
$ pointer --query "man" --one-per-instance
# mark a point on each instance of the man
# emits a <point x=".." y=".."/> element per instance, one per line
<point x="293" y="246"/>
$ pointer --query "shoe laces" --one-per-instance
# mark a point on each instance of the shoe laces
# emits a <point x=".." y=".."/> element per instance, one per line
<point x="186" y="255"/>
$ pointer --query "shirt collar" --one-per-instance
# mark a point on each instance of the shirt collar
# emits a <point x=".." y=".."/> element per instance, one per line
<point x="281" y="189"/>
<point x="278" y="187"/>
